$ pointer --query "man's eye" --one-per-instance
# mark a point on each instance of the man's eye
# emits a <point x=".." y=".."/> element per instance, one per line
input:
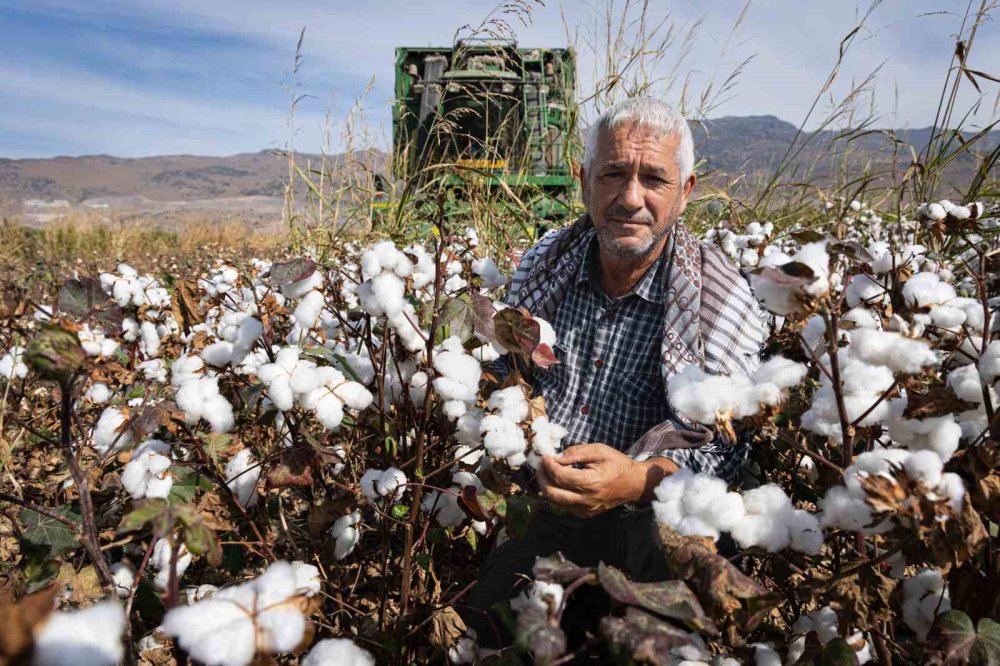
<point x="611" y="174"/>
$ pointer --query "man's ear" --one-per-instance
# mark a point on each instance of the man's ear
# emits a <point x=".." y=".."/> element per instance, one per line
<point x="686" y="191"/>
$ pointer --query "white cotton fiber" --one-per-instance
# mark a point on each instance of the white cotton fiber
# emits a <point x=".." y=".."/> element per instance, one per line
<point x="337" y="652"/>
<point x="86" y="637"/>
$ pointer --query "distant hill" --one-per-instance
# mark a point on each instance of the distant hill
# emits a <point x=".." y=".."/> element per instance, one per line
<point x="252" y="183"/>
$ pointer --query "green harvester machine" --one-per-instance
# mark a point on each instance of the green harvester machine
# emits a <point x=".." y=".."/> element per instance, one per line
<point x="490" y="119"/>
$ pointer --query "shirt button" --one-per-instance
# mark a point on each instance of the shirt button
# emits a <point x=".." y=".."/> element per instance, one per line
<point x="585" y="409"/>
<point x="598" y="363"/>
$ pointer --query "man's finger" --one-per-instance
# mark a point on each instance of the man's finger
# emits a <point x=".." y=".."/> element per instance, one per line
<point x="553" y="493"/>
<point x="566" y="476"/>
<point x="584" y="453"/>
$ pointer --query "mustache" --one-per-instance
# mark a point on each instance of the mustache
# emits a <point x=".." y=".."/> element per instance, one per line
<point x="619" y="212"/>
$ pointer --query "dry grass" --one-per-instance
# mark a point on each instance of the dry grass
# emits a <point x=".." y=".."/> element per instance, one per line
<point x="88" y="244"/>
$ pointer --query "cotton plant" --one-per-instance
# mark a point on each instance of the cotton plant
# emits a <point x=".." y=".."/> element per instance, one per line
<point x="377" y="484"/>
<point x="703" y="397"/>
<point x="147" y="474"/>
<point x="262" y="617"/>
<point x="346" y="532"/>
<point x="846" y="506"/>
<point x="701" y="505"/>
<point x="788" y="287"/>
<point x="444" y="505"/>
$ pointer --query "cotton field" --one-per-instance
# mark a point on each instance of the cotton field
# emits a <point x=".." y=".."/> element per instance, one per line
<point x="303" y="460"/>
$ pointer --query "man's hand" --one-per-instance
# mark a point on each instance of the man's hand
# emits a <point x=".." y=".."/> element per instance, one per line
<point x="606" y="478"/>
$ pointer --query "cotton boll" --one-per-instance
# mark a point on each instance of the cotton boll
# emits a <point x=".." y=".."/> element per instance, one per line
<point x="925" y="467"/>
<point x="924" y="597"/>
<point x="546" y="334"/>
<point x="926" y="289"/>
<point x="124" y="578"/>
<point x="510" y="402"/>
<point x="309" y="308"/>
<point x="669" y="513"/>
<point x="672" y="488"/>
<point x="98" y="394"/>
<point x="149" y="342"/>
<point x="768" y="499"/>
<point x="186" y="368"/>
<point x="502" y="437"/>
<point x="346" y="534"/>
<point x="938" y="434"/>
<point x="805" y="532"/>
<point x="86" y="637"/>
<point x="764" y="655"/>
<point x="147" y="474"/>
<point x="337" y="652"/>
<point x="487" y="270"/>
<point x="242" y="474"/>
<point x="861" y="318"/>
<point x="695" y="526"/>
<point x="542" y="595"/>
<point x="216" y="631"/>
<point x="391" y="482"/>
<point x="12" y="364"/>
<point x="865" y="289"/>
<point x="726" y="512"/>
<point x="354" y="395"/>
<point x="110" y="433"/>
<point x="952" y="488"/>
<point x="899" y="354"/>
<point x="839" y="508"/>
<point x="763" y="530"/>
<point x="161" y="558"/>
<point x="218" y="354"/>
<point x="989" y="364"/>
<point x="701" y="492"/>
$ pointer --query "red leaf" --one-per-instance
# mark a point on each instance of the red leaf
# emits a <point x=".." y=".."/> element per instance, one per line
<point x="543" y="356"/>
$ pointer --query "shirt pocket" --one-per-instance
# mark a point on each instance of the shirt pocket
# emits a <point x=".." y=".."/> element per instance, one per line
<point x="639" y="402"/>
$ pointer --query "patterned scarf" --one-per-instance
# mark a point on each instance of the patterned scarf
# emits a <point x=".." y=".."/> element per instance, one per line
<point x="710" y="315"/>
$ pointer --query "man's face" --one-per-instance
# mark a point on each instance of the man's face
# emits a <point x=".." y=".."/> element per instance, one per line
<point x="634" y="193"/>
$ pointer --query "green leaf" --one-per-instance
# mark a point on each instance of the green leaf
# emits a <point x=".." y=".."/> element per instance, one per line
<point x="201" y="540"/>
<point x="520" y="510"/>
<point x="837" y="652"/>
<point x="492" y="502"/>
<point x="467" y="315"/>
<point x="42" y="531"/>
<point x="143" y="512"/>
<point x="957" y="641"/>
<point x="215" y="444"/>
<point x="187" y="483"/>
<point x="400" y="511"/>
<point x="671" y="598"/>
<point x="39" y="573"/>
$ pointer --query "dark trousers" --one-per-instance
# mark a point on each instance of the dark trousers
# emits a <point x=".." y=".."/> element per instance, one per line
<point x="623" y="538"/>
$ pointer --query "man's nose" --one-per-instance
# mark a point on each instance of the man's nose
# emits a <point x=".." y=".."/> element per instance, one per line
<point x="632" y="196"/>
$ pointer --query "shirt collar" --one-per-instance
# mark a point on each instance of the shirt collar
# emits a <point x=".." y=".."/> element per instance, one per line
<point x="648" y="288"/>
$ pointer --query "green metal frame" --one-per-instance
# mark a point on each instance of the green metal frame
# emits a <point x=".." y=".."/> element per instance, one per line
<point x="538" y="86"/>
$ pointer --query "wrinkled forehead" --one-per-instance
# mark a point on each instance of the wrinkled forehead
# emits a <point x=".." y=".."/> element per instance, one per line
<point x="637" y="144"/>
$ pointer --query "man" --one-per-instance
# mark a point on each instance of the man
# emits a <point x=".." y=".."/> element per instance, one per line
<point x="633" y="297"/>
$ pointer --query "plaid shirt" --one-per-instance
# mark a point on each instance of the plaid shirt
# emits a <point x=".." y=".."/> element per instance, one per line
<point x="608" y="386"/>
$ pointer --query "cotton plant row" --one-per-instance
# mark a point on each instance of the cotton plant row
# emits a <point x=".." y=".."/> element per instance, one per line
<point x="325" y="350"/>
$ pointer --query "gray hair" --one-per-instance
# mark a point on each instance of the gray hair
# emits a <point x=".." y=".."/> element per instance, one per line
<point x="646" y="112"/>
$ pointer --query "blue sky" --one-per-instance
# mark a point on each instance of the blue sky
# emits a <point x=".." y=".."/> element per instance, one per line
<point x="134" y="78"/>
